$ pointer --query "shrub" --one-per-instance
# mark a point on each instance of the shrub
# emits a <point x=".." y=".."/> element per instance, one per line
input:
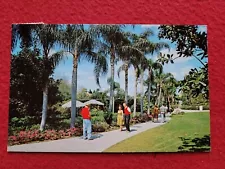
<point x="114" y="119"/>
<point x="194" y="107"/>
<point x="108" y="118"/>
<point x="100" y="127"/>
<point x="141" y="118"/>
<point x="79" y="121"/>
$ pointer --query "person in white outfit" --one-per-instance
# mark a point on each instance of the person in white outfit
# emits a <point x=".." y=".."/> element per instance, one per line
<point x="163" y="110"/>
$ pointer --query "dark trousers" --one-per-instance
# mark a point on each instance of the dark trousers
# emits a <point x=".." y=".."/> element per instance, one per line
<point x="127" y="122"/>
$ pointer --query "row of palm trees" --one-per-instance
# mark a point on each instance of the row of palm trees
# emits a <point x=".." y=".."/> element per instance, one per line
<point x="94" y="44"/>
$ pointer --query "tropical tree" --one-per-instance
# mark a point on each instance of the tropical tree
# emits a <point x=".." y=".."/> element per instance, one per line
<point x="110" y="44"/>
<point x="169" y="90"/>
<point x="65" y="90"/>
<point x="161" y="79"/>
<point x="143" y="43"/>
<point x="46" y="37"/>
<point x="152" y="66"/>
<point x="26" y="84"/>
<point x="22" y="33"/>
<point x="190" y="42"/>
<point x="116" y="86"/>
<point x="196" y="82"/>
<point x="80" y="43"/>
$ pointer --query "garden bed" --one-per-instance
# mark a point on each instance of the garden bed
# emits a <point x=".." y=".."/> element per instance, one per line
<point x="29" y="136"/>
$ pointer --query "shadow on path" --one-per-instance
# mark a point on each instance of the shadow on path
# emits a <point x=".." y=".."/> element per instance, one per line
<point x="198" y="144"/>
<point x="132" y="130"/>
<point x="136" y="126"/>
<point x="94" y="136"/>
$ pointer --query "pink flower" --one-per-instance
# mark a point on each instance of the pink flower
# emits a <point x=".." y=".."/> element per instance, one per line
<point x="13" y="138"/>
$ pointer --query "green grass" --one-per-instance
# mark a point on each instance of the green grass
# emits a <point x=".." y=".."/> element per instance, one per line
<point x="166" y="138"/>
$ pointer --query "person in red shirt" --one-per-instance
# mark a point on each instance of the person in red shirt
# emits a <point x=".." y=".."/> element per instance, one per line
<point x="86" y="115"/>
<point x="127" y="113"/>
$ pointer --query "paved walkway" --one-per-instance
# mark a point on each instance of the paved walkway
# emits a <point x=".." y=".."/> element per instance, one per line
<point x="100" y="143"/>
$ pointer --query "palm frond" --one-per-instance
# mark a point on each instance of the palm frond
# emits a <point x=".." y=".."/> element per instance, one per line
<point x="101" y="67"/>
<point x="121" y="68"/>
<point x="55" y="58"/>
<point x="148" y="32"/>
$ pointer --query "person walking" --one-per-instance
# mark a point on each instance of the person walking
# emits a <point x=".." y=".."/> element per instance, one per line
<point x="86" y="115"/>
<point x="155" y="113"/>
<point x="163" y="110"/>
<point x="127" y="113"/>
<point x="120" y="118"/>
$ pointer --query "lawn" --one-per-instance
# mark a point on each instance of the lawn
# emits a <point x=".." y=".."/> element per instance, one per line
<point x="168" y="138"/>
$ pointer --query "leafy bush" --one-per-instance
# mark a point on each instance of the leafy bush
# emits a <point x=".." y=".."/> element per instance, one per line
<point x="100" y="127"/>
<point x="114" y="119"/>
<point x="78" y="122"/>
<point x="206" y="107"/>
<point x="194" y="107"/>
<point x="141" y="118"/>
<point x="97" y="119"/>
<point x="108" y="118"/>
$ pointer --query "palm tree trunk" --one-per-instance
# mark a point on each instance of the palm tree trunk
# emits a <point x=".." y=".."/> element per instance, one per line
<point x="157" y="94"/>
<point x="44" y="108"/>
<point x="74" y="90"/>
<point x="45" y="100"/>
<point x="113" y="104"/>
<point x="149" y="91"/>
<point x="112" y="60"/>
<point x="142" y="89"/>
<point x="160" y="92"/>
<point x="168" y="104"/>
<point x="135" y="91"/>
<point x="126" y="82"/>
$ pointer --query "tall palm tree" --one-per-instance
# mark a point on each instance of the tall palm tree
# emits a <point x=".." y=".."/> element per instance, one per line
<point x="127" y="50"/>
<point x="143" y="43"/>
<point x="116" y="86"/>
<point x="80" y="43"/>
<point x="169" y="90"/>
<point x="151" y="66"/>
<point x="111" y="38"/>
<point x="161" y="80"/>
<point x="46" y="37"/>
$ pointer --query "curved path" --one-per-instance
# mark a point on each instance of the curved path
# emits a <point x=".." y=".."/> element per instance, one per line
<point x="100" y="143"/>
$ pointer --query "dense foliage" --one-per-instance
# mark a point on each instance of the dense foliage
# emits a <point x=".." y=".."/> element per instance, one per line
<point x="189" y="43"/>
<point x="27" y="76"/>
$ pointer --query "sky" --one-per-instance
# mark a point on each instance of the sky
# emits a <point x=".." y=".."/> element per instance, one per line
<point x="86" y="78"/>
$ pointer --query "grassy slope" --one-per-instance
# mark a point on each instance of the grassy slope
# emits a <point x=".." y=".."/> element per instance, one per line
<point x="166" y="138"/>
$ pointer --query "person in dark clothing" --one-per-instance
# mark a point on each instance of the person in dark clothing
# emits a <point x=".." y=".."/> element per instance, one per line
<point x="127" y="113"/>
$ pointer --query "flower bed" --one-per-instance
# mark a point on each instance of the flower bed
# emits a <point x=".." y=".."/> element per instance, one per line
<point x="30" y="136"/>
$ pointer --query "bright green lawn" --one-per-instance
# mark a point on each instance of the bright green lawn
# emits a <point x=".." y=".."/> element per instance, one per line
<point x="166" y="138"/>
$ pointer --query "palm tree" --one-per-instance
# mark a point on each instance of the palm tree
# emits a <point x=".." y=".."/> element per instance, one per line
<point x="146" y="47"/>
<point x="169" y="90"/>
<point x="151" y="66"/>
<point x="22" y="32"/>
<point x="80" y="43"/>
<point x="46" y="37"/>
<point x="116" y="86"/>
<point x="161" y="80"/>
<point x="111" y="38"/>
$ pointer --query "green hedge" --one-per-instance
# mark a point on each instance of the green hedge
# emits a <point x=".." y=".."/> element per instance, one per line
<point x="194" y="107"/>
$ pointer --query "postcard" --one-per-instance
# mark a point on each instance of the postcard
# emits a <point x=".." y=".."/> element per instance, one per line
<point x="109" y="88"/>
